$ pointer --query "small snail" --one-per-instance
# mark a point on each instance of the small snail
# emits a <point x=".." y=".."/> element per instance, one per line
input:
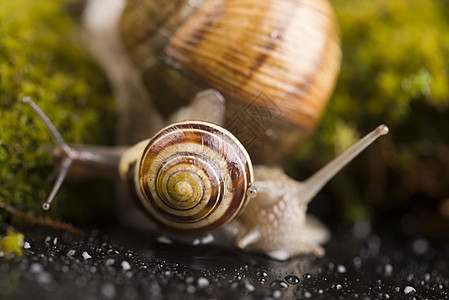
<point x="195" y="177"/>
<point x="275" y="61"/>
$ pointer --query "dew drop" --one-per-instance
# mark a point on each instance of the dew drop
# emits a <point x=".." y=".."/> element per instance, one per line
<point x="277" y="294"/>
<point x="292" y="279"/>
<point x="420" y="246"/>
<point x="337" y="286"/>
<point x="108" y="290"/>
<point x="190" y="289"/>
<point x="262" y="273"/>
<point x="341" y="269"/>
<point x="125" y="265"/>
<point x="44" y="278"/>
<point x="404" y="288"/>
<point x="202" y="282"/>
<point x="86" y="255"/>
<point x="36" y="268"/>
<point x="164" y="240"/>
<point x="243" y="287"/>
<point x="279" y="285"/>
<point x="207" y="239"/>
<point x="26" y="245"/>
<point x="388" y="269"/>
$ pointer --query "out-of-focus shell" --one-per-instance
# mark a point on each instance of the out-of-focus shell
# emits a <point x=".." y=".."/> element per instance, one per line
<point x="275" y="61"/>
<point x="287" y="50"/>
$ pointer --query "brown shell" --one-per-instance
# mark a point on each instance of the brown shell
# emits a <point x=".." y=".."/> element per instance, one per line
<point x="275" y="61"/>
<point x="286" y="50"/>
<point x="193" y="177"/>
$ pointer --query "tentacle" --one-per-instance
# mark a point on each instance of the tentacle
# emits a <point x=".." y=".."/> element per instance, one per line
<point x="315" y="183"/>
<point x="208" y="106"/>
<point x="67" y="152"/>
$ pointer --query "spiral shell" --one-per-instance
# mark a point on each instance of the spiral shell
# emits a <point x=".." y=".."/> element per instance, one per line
<point x="276" y="61"/>
<point x="288" y="50"/>
<point x="193" y="177"/>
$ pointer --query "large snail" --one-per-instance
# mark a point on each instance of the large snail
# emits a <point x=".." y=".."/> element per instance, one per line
<point x="195" y="177"/>
<point x="275" y="61"/>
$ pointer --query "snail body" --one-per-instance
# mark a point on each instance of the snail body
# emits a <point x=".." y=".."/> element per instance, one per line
<point x="195" y="177"/>
<point x="274" y="61"/>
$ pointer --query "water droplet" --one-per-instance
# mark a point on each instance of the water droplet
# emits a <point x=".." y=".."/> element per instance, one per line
<point x="405" y="288"/>
<point x="262" y="273"/>
<point x="374" y="243"/>
<point x="118" y="263"/>
<point x="341" y="269"/>
<point x="279" y="285"/>
<point x="357" y="262"/>
<point x="388" y="269"/>
<point x="202" y="282"/>
<point x="337" y="286"/>
<point x="420" y="246"/>
<point x="125" y="265"/>
<point x="78" y="252"/>
<point x="108" y="290"/>
<point x="409" y="289"/>
<point x="207" y="239"/>
<point x="307" y="276"/>
<point x="86" y="255"/>
<point x="190" y="289"/>
<point x="302" y="293"/>
<point x="44" y="278"/>
<point x="277" y="294"/>
<point x="36" y="268"/>
<point x="243" y="287"/>
<point x="164" y="240"/>
<point x="292" y="279"/>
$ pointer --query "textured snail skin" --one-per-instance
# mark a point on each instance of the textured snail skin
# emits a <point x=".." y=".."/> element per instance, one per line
<point x="195" y="177"/>
<point x="276" y="223"/>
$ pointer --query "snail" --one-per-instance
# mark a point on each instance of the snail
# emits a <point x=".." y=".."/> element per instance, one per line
<point x="195" y="177"/>
<point x="275" y="61"/>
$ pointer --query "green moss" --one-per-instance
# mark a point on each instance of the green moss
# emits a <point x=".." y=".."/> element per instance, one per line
<point x="12" y="243"/>
<point x="395" y="70"/>
<point x="41" y="56"/>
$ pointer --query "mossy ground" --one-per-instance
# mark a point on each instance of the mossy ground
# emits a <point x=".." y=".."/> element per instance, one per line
<point x="394" y="71"/>
<point x="42" y="56"/>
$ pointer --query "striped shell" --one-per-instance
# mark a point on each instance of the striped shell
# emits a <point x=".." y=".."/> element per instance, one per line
<point x="275" y="62"/>
<point x="287" y="50"/>
<point x="193" y="177"/>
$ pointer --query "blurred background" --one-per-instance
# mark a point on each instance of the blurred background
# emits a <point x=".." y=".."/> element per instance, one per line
<point x="394" y="71"/>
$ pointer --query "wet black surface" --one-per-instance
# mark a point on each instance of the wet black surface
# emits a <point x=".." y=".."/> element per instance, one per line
<point x="123" y="264"/>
